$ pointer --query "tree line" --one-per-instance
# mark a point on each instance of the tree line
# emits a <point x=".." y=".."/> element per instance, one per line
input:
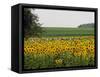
<point x="88" y="25"/>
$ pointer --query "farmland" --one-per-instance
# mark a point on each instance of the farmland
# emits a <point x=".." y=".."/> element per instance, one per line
<point x="60" y="47"/>
<point x="53" y="31"/>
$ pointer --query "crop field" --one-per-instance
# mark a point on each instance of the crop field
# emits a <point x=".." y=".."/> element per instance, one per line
<point x="53" y="31"/>
<point x="60" y="47"/>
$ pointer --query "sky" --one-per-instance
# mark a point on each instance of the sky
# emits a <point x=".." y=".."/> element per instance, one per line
<point x="63" y="18"/>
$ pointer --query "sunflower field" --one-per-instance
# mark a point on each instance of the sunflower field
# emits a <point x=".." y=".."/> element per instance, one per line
<point x="59" y="52"/>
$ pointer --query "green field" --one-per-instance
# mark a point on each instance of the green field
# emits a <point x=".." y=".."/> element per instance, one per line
<point x="53" y="31"/>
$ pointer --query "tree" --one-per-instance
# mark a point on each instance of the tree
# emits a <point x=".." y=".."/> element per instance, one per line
<point x="88" y="25"/>
<point x="32" y="27"/>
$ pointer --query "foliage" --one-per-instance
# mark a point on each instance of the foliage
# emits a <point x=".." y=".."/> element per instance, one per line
<point x="89" y="25"/>
<point x="52" y="53"/>
<point x="31" y="24"/>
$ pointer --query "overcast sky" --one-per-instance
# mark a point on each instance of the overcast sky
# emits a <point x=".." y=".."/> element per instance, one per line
<point x="62" y="18"/>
